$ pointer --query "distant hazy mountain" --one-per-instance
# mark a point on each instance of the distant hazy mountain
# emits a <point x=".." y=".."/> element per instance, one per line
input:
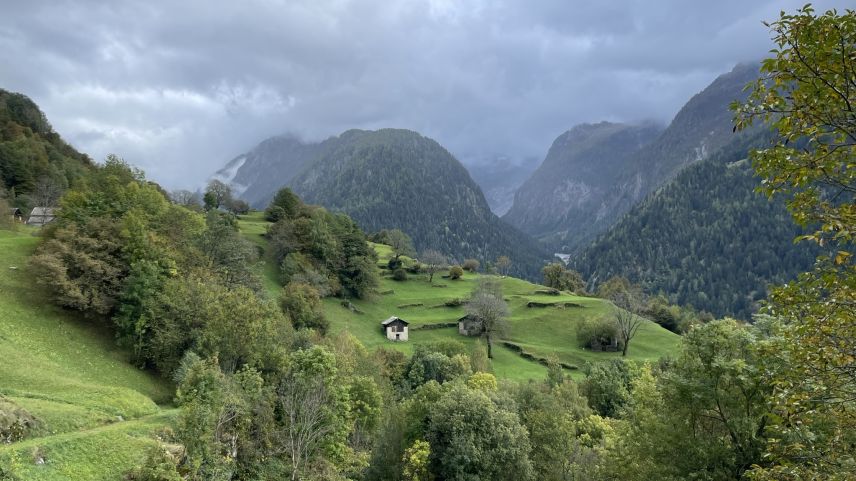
<point x="258" y="174"/>
<point x="386" y="179"/>
<point x="499" y="178"/>
<point x="595" y="173"/>
<point x="705" y="238"/>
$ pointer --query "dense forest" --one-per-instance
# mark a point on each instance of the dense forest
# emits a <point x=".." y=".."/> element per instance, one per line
<point x="394" y="178"/>
<point x="705" y="239"/>
<point x="593" y="174"/>
<point x="36" y="165"/>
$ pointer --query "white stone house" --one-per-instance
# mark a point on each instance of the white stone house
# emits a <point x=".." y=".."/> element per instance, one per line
<point x="395" y="328"/>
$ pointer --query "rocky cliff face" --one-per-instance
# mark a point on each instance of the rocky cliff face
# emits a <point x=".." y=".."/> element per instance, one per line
<point x="573" y="188"/>
<point x="595" y="173"/>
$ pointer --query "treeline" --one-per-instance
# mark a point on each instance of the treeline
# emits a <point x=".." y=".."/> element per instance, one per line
<point x="706" y="239"/>
<point x="36" y="165"/>
<point x="335" y="411"/>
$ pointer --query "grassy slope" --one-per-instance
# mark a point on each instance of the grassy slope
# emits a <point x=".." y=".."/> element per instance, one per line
<point x="541" y="331"/>
<point x="70" y="375"/>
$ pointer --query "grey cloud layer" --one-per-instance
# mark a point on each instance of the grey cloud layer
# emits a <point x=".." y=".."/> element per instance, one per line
<point x="179" y="88"/>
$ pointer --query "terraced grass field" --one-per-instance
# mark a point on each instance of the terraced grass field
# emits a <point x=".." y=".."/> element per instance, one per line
<point x="539" y="331"/>
<point x="96" y="411"/>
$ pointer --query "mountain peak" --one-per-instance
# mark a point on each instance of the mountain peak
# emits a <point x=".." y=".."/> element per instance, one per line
<point x="389" y="179"/>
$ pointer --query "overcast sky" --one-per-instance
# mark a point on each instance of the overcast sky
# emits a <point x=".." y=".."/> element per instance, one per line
<point x="178" y="88"/>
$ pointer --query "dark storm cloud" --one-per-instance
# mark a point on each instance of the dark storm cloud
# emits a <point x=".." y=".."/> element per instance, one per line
<point x="179" y="88"/>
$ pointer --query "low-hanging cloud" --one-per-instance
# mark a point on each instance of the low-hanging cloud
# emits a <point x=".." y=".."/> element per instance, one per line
<point x="179" y="88"/>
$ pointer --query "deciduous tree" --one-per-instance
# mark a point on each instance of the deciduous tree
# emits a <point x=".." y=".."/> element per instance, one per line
<point x="490" y="309"/>
<point x="807" y="94"/>
<point x="433" y="261"/>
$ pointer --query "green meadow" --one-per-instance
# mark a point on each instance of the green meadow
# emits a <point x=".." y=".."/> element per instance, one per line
<point x="540" y="331"/>
<point x="97" y="412"/>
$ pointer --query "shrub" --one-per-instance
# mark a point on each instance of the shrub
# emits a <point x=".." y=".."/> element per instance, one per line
<point x="274" y="213"/>
<point x="608" y="384"/>
<point x="596" y="333"/>
<point x="471" y="265"/>
<point x="399" y="274"/>
<point x="15" y="422"/>
<point x="159" y="465"/>
<point x="455" y="272"/>
<point x="416" y="268"/>
<point x="302" y="304"/>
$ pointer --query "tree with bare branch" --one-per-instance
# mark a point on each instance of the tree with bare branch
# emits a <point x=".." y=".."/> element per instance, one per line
<point x="434" y="261"/>
<point x="489" y="308"/>
<point x="313" y="408"/>
<point x="47" y="192"/>
<point x="186" y="198"/>
<point x="627" y="303"/>
<point x="503" y="264"/>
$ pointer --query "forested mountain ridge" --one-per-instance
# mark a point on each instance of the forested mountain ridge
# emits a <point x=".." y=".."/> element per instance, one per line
<point x="36" y="164"/>
<point x="389" y="178"/>
<point x="700" y="128"/>
<point x="706" y="238"/>
<point x="393" y="178"/>
<point x="580" y="172"/>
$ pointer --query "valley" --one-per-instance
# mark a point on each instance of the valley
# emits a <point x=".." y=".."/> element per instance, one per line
<point x="346" y="300"/>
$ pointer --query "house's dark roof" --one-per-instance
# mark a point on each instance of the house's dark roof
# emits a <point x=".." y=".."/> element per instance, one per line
<point x="393" y="319"/>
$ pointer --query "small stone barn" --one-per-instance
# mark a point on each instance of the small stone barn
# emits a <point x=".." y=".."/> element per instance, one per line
<point x="41" y="216"/>
<point x="469" y="326"/>
<point x="395" y="328"/>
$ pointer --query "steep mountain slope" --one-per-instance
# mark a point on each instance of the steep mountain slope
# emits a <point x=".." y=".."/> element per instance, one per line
<point x="574" y="184"/>
<point x="34" y="161"/>
<point x="566" y="207"/>
<point x="394" y="178"/>
<point x="705" y="238"/>
<point x="258" y="174"/>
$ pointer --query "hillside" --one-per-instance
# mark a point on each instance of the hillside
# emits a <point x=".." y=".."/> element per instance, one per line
<point x="96" y="412"/>
<point x="35" y="163"/>
<point x="566" y="206"/>
<point x="258" y="174"/>
<point x="393" y="178"/>
<point x="572" y="186"/>
<point x="706" y="238"/>
<point x="540" y="331"/>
